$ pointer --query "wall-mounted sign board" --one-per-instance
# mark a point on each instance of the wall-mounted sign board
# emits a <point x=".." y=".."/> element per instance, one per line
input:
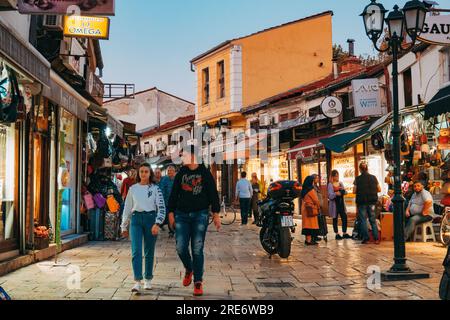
<point x="86" y="27"/>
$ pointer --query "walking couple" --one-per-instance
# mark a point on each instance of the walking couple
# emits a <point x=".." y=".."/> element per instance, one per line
<point x="194" y="192"/>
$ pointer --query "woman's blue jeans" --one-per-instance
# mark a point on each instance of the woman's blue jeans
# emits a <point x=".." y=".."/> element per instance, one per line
<point x="141" y="231"/>
<point x="190" y="228"/>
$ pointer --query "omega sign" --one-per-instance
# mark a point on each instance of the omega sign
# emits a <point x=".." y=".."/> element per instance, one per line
<point x="332" y="107"/>
<point x="436" y="30"/>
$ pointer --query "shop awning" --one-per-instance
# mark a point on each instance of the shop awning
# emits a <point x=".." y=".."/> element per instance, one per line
<point x="306" y="148"/>
<point x="351" y="136"/>
<point x="440" y="103"/>
<point x="102" y="114"/>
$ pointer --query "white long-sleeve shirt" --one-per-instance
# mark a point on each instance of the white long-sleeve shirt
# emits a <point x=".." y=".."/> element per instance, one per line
<point x="144" y="198"/>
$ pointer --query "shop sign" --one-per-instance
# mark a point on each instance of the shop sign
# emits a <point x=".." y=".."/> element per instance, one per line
<point x="86" y="27"/>
<point x="436" y="30"/>
<point x="23" y="56"/>
<point x="332" y="107"/>
<point x="62" y="7"/>
<point x="95" y="87"/>
<point x="366" y="97"/>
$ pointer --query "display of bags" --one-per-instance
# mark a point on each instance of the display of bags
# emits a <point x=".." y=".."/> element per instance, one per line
<point x="99" y="200"/>
<point x="111" y="226"/>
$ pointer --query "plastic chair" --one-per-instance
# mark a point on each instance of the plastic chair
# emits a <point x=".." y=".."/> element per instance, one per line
<point x="424" y="232"/>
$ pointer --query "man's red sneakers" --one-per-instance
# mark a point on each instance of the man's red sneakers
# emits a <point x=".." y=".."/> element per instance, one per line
<point x="198" y="289"/>
<point x="188" y="279"/>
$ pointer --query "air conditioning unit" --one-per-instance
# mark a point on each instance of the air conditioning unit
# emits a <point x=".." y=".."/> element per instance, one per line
<point x="264" y="120"/>
<point x="53" y="21"/>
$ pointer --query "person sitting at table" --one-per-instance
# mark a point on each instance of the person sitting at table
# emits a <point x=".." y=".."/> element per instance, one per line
<point x="420" y="209"/>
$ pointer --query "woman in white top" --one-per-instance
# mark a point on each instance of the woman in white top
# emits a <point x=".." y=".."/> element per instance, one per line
<point x="145" y="208"/>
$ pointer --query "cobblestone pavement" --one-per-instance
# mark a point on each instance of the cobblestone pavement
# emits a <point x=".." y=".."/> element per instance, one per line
<point x="236" y="268"/>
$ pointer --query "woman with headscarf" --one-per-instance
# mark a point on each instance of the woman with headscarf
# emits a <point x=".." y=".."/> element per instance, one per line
<point x="310" y="211"/>
<point x="316" y="184"/>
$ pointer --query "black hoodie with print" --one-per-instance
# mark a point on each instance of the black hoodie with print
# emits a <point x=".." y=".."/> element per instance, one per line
<point x="194" y="190"/>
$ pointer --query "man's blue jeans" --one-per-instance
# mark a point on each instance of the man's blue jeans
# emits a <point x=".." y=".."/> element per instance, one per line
<point x="245" y="205"/>
<point x="412" y="222"/>
<point x="190" y="228"/>
<point x="141" y="230"/>
<point x="368" y="212"/>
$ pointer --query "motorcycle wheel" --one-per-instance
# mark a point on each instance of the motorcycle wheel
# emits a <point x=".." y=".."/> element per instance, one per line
<point x="284" y="243"/>
<point x="267" y="245"/>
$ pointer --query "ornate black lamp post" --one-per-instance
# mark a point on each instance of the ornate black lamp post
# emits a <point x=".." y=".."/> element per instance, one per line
<point x="410" y="20"/>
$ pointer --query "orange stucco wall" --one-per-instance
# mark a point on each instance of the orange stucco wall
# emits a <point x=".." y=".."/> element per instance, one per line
<point x="287" y="57"/>
<point x="216" y="106"/>
<point x="273" y="62"/>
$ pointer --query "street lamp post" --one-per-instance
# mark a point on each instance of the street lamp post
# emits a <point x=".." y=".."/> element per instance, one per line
<point x="409" y="20"/>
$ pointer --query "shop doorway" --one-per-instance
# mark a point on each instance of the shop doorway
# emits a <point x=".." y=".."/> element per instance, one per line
<point x="9" y="219"/>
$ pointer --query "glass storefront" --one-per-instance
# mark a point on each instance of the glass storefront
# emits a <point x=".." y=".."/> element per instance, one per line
<point x="345" y="165"/>
<point x="67" y="173"/>
<point x="8" y="223"/>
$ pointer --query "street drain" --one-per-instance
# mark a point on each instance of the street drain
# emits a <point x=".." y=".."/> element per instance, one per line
<point x="275" y="285"/>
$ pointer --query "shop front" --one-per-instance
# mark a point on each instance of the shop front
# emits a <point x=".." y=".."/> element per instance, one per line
<point x="68" y="121"/>
<point x="22" y="75"/>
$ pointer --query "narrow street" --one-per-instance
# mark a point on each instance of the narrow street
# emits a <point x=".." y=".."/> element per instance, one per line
<point x="236" y="268"/>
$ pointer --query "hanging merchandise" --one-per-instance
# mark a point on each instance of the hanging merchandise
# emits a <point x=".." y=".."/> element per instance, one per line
<point x="111" y="226"/>
<point x="404" y="144"/>
<point x="11" y="99"/>
<point x="378" y="141"/>
<point x="104" y="147"/>
<point x="99" y="200"/>
<point x="89" y="200"/>
<point x="113" y="205"/>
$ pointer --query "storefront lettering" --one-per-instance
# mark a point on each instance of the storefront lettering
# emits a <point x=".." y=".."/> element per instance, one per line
<point x="437" y="29"/>
<point x="85" y="31"/>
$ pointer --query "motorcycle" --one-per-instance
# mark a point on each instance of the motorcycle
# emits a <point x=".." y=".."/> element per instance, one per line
<point x="277" y="218"/>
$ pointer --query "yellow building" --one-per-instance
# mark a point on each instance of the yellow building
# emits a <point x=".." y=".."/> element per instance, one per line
<point x="243" y="71"/>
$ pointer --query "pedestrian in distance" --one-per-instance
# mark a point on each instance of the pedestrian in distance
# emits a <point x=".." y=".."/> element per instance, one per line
<point x="166" y="186"/>
<point x="143" y="216"/>
<point x="366" y="188"/>
<point x="158" y="176"/>
<point x="244" y="194"/>
<point x="310" y="212"/>
<point x="336" y="205"/>
<point x="194" y="193"/>
<point x="316" y="184"/>
<point x="257" y="196"/>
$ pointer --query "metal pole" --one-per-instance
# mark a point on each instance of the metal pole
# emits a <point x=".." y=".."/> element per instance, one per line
<point x="398" y="200"/>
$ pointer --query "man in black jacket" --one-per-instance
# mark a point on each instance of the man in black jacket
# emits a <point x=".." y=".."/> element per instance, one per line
<point x="194" y="192"/>
<point x="366" y="188"/>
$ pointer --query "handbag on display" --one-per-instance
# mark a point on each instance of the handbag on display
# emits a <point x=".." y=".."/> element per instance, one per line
<point x="378" y="141"/>
<point x="89" y="201"/>
<point x="9" y="105"/>
<point x="99" y="200"/>
<point x="113" y="205"/>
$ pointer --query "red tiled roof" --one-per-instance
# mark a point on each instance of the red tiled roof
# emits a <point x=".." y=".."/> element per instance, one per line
<point x="170" y="125"/>
<point x="323" y="83"/>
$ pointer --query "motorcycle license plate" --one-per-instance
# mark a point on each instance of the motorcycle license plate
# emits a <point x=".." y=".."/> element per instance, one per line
<point x="287" y="221"/>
